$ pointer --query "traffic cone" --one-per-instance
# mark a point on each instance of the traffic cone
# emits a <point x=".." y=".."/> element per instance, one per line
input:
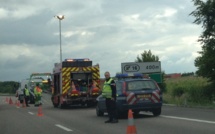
<point x="10" y="101"/>
<point x="131" y="129"/>
<point x="95" y="89"/>
<point x="23" y="103"/>
<point x="74" y="91"/>
<point x="40" y="113"/>
<point x="6" y="99"/>
<point x="18" y="104"/>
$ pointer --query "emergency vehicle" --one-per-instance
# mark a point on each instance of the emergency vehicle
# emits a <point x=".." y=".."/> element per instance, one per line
<point x="44" y="80"/>
<point x="75" y="82"/>
<point x="134" y="91"/>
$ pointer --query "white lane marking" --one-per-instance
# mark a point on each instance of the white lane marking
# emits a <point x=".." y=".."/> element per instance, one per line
<point x="64" y="128"/>
<point x="188" y="119"/>
<point x="31" y="113"/>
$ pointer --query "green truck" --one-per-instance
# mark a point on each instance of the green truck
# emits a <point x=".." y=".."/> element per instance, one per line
<point x="44" y="80"/>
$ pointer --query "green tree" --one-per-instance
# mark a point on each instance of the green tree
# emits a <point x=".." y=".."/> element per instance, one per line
<point x="8" y="86"/>
<point x="205" y="16"/>
<point x="147" y="56"/>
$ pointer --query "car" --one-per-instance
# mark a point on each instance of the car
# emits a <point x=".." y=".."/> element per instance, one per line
<point x="135" y="93"/>
<point x="20" y="95"/>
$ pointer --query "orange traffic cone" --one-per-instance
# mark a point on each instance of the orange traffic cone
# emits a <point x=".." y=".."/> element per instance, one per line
<point x="74" y="92"/>
<point x="6" y="99"/>
<point x="23" y="103"/>
<point x="10" y="101"/>
<point x="131" y="129"/>
<point x="40" y="113"/>
<point x="95" y="89"/>
<point x="18" y="104"/>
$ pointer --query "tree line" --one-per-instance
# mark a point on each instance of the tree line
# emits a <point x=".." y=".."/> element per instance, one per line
<point x="8" y="86"/>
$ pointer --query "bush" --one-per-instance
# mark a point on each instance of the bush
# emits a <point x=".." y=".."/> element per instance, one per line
<point x="189" y="90"/>
<point x="178" y="92"/>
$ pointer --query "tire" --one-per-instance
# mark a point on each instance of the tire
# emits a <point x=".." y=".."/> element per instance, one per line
<point x="63" y="106"/>
<point x="156" y="112"/>
<point x="136" y="113"/>
<point x="54" y="104"/>
<point x="99" y="112"/>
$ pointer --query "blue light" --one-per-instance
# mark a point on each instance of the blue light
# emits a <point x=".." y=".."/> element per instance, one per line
<point x="130" y="75"/>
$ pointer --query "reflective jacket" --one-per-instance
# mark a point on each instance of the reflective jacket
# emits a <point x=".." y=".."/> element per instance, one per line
<point x="37" y="91"/>
<point x="107" y="91"/>
<point x="27" y="92"/>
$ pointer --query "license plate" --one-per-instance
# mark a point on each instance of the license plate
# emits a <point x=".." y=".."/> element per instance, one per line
<point x="144" y="96"/>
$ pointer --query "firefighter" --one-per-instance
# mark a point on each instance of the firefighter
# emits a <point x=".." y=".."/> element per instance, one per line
<point x="38" y="94"/>
<point x="26" y="95"/>
<point x="109" y="92"/>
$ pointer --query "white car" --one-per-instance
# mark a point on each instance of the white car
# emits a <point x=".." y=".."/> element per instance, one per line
<point x="20" y="94"/>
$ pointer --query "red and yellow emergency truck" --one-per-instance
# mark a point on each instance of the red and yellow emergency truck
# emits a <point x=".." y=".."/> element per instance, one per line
<point x="75" y="82"/>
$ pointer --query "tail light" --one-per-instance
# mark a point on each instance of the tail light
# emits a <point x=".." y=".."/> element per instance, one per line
<point x="124" y="89"/>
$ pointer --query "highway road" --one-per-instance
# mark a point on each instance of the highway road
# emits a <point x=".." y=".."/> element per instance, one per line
<point x="83" y="120"/>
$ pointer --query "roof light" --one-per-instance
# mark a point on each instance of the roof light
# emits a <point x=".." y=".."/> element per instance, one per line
<point x="129" y="75"/>
<point x="71" y="60"/>
<point x="86" y="59"/>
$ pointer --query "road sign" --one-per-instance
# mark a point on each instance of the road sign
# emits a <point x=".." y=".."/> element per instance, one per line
<point x="157" y="77"/>
<point x="141" y="67"/>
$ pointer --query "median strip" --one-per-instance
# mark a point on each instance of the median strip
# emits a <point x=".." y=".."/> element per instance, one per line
<point x="62" y="127"/>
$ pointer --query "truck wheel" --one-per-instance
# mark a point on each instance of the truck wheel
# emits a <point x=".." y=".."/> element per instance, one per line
<point x="156" y="112"/>
<point x="63" y="106"/>
<point x="99" y="112"/>
<point x="55" y="105"/>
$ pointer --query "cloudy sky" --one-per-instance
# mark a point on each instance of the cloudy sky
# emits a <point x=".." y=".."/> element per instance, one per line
<point x="109" y="32"/>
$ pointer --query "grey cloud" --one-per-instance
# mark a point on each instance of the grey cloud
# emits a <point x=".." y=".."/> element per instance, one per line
<point x="113" y="40"/>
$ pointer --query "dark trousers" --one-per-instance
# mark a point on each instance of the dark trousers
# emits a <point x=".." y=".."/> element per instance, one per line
<point x="111" y="109"/>
<point x="26" y="100"/>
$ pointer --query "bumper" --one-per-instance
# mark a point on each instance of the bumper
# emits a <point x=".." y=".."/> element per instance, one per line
<point x="138" y="107"/>
<point x="123" y="106"/>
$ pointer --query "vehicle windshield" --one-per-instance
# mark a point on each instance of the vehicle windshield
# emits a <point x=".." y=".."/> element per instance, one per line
<point x="141" y="85"/>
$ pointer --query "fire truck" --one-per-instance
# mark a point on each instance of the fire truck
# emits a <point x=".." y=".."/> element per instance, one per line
<point x="75" y="82"/>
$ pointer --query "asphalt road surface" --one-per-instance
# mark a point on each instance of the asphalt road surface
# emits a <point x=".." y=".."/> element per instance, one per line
<point x="16" y="119"/>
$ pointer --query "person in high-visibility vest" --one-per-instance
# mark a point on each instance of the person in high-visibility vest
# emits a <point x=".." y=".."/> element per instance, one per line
<point x="38" y="94"/>
<point x="26" y="95"/>
<point x="109" y="92"/>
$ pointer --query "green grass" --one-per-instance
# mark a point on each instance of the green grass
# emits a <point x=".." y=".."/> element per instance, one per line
<point x="189" y="91"/>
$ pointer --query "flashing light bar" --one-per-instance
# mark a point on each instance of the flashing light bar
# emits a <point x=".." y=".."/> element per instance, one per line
<point x="73" y="60"/>
<point x="129" y="75"/>
<point x="40" y="74"/>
